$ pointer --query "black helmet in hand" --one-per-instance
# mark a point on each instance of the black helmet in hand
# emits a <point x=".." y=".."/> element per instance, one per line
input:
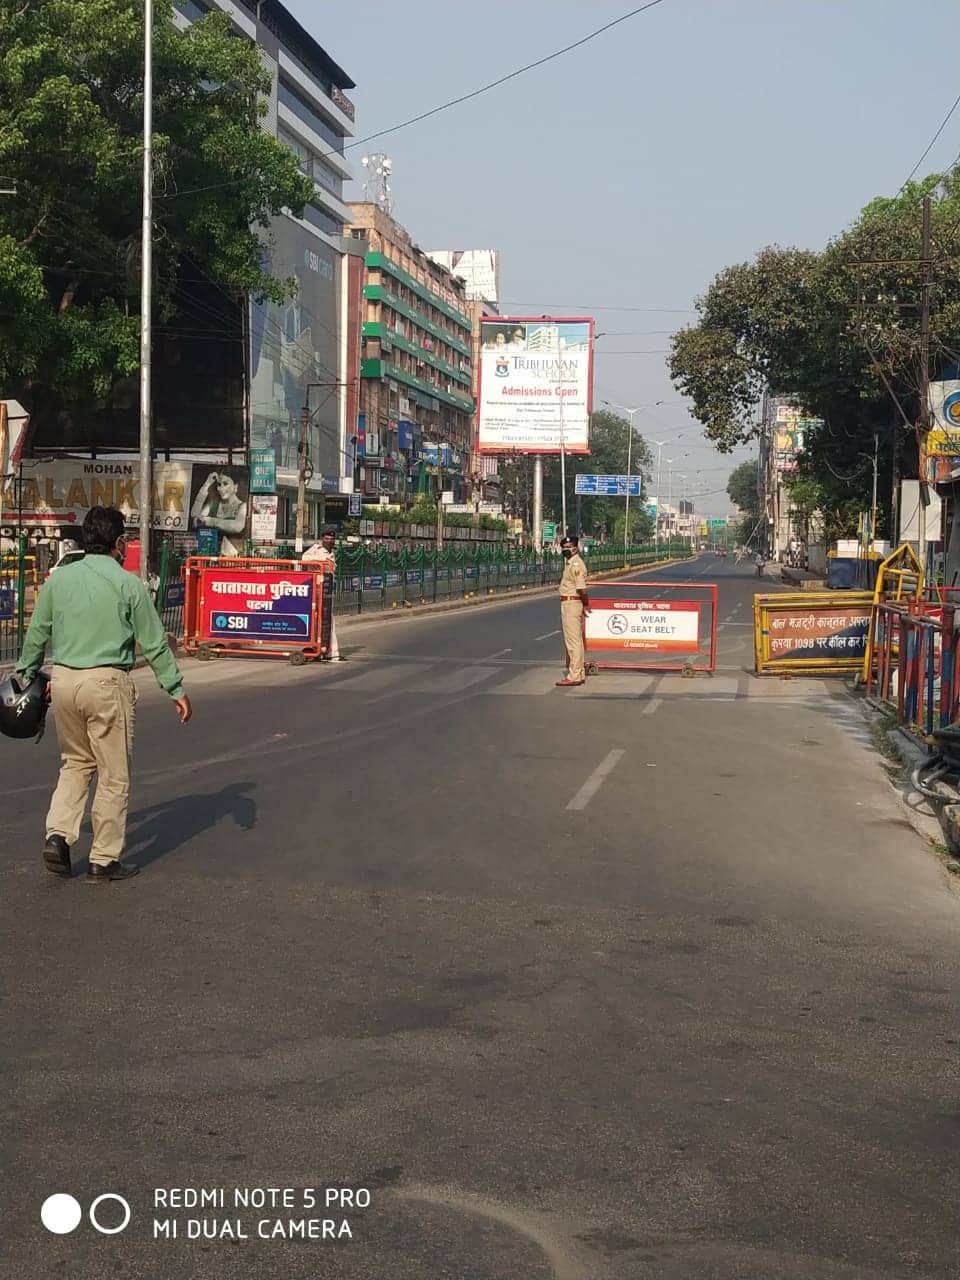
<point x="23" y="706"/>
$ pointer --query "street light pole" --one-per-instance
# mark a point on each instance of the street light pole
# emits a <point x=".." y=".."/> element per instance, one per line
<point x="626" y="515"/>
<point x="146" y="298"/>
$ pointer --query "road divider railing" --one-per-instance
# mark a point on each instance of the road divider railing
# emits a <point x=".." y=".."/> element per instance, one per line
<point x="651" y="626"/>
<point x="368" y="579"/>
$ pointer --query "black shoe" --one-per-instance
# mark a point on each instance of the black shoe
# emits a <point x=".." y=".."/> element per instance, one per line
<point x="112" y="871"/>
<point x="56" y="855"/>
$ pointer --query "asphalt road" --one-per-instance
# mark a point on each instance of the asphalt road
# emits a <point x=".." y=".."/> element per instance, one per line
<point x="645" y="980"/>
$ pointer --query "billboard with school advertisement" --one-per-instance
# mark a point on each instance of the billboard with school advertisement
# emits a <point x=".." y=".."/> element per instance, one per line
<point x="255" y="604"/>
<point x="535" y="384"/>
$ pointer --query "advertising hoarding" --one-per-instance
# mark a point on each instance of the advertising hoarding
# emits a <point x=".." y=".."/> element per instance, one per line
<point x="263" y="471"/>
<point x="480" y="268"/>
<point x="187" y="496"/>
<point x="535" y="385"/>
<point x="263" y="517"/>
<point x="788" y="425"/>
<point x="943" y="438"/>
<point x="256" y="604"/>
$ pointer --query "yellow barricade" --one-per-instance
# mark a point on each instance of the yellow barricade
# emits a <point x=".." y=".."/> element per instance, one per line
<point x="822" y="632"/>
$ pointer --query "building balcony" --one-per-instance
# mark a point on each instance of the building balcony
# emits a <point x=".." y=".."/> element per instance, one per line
<point x="290" y="120"/>
<point x="312" y="88"/>
<point x="383" y="263"/>
<point x="383" y="332"/>
<point x="384" y="369"/>
<point x="380" y="293"/>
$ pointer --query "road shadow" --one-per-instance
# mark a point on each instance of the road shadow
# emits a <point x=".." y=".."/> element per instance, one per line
<point x="161" y="829"/>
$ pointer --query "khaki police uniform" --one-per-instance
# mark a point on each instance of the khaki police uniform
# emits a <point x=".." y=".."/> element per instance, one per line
<point x="574" y="579"/>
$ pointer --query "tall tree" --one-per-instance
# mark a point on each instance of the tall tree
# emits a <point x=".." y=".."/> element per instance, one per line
<point x="742" y="488"/>
<point x="609" y="441"/>
<point x="837" y="330"/>
<point x="71" y="105"/>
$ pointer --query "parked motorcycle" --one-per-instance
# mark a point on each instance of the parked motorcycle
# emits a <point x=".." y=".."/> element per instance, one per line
<point x="938" y="778"/>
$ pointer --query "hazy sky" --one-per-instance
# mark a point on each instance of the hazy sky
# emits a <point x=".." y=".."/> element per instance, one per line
<point x="619" y="179"/>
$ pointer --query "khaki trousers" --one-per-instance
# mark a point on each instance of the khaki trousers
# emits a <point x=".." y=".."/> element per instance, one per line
<point x="94" y="712"/>
<point x="571" y="619"/>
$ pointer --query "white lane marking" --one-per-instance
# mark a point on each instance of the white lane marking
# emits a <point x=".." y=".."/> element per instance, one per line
<point x="652" y="706"/>
<point x="548" y="635"/>
<point x="596" y="779"/>
<point x="450" y="682"/>
<point x="498" y="654"/>
<point x="534" y="682"/>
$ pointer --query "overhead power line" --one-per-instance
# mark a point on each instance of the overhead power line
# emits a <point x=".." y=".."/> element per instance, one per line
<point x="511" y="75"/>
<point x="944" y="123"/>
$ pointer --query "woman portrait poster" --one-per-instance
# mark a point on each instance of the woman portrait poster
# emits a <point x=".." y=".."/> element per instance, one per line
<point x="218" y="500"/>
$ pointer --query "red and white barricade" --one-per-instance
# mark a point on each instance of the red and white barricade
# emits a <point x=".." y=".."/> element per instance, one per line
<point x="651" y="626"/>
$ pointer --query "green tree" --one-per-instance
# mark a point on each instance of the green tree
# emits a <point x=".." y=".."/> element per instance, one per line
<point x="742" y="488"/>
<point x="839" y="331"/>
<point x="71" y="107"/>
<point x="609" y="440"/>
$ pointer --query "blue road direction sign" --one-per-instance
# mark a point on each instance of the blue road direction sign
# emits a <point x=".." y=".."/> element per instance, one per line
<point x="607" y="486"/>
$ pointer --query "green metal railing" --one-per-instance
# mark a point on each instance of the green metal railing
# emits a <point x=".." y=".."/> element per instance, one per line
<point x="381" y="579"/>
<point x="367" y="578"/>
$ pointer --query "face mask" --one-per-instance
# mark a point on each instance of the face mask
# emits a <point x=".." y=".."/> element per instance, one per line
<point x="567" y="553"/>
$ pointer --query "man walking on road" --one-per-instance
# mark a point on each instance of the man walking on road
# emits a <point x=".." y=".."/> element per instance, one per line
<point x="574" y="606"/>
<point x="323" y="552"/>
<point x="95" y="613"/>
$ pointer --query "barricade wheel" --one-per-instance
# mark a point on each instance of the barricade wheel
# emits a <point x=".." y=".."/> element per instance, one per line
<point x="592" y="669"/>
<point x="688" y="672"/>
<point x="203" y="653"/>
<point x="298" y="659"/>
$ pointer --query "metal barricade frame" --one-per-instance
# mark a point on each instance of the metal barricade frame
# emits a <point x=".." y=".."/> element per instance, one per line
<point x="299" y="650"/>
<point x="655" y="599"/>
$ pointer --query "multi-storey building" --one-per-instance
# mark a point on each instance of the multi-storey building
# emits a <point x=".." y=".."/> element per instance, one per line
<point x="416" y="371"/>
<point x="300" y="354"/>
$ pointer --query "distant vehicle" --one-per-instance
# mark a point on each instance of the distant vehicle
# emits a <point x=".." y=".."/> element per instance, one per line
<point x="68" y="557"/>
<point x="721" y="551"/>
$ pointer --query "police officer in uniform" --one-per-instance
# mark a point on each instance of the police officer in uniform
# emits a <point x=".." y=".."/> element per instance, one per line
<point x="324" y="552"/>
<point x="574" y="605"/>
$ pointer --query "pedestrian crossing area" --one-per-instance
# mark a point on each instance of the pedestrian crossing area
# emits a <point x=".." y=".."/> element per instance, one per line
<point x="378" y="677"/>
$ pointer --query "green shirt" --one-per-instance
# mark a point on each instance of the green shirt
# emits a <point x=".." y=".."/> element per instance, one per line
<point x="96" y="613"/>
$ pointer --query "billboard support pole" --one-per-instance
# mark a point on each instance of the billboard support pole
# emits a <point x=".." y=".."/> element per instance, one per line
<point x="146" y="296"/>
<point x="563" y="451"/>
<point x="302" y="479"/>
<point x="538" y="502"/>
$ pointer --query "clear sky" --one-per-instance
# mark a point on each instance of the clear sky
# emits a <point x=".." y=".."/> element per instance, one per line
<point x="619" y="179"/>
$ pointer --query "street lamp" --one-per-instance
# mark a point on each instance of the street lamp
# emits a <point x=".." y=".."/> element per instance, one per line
<point x="626" y="515"/>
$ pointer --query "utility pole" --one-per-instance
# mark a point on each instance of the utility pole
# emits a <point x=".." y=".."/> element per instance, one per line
<point x="302" y="464"/>
<point x="924" y="419"/>
<point x="563" y="451"/>
<point x="873" y="500"/>
<point x="146" y="298"/>
<point x="439" y="495"/>
<point x="538" y="502"/>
